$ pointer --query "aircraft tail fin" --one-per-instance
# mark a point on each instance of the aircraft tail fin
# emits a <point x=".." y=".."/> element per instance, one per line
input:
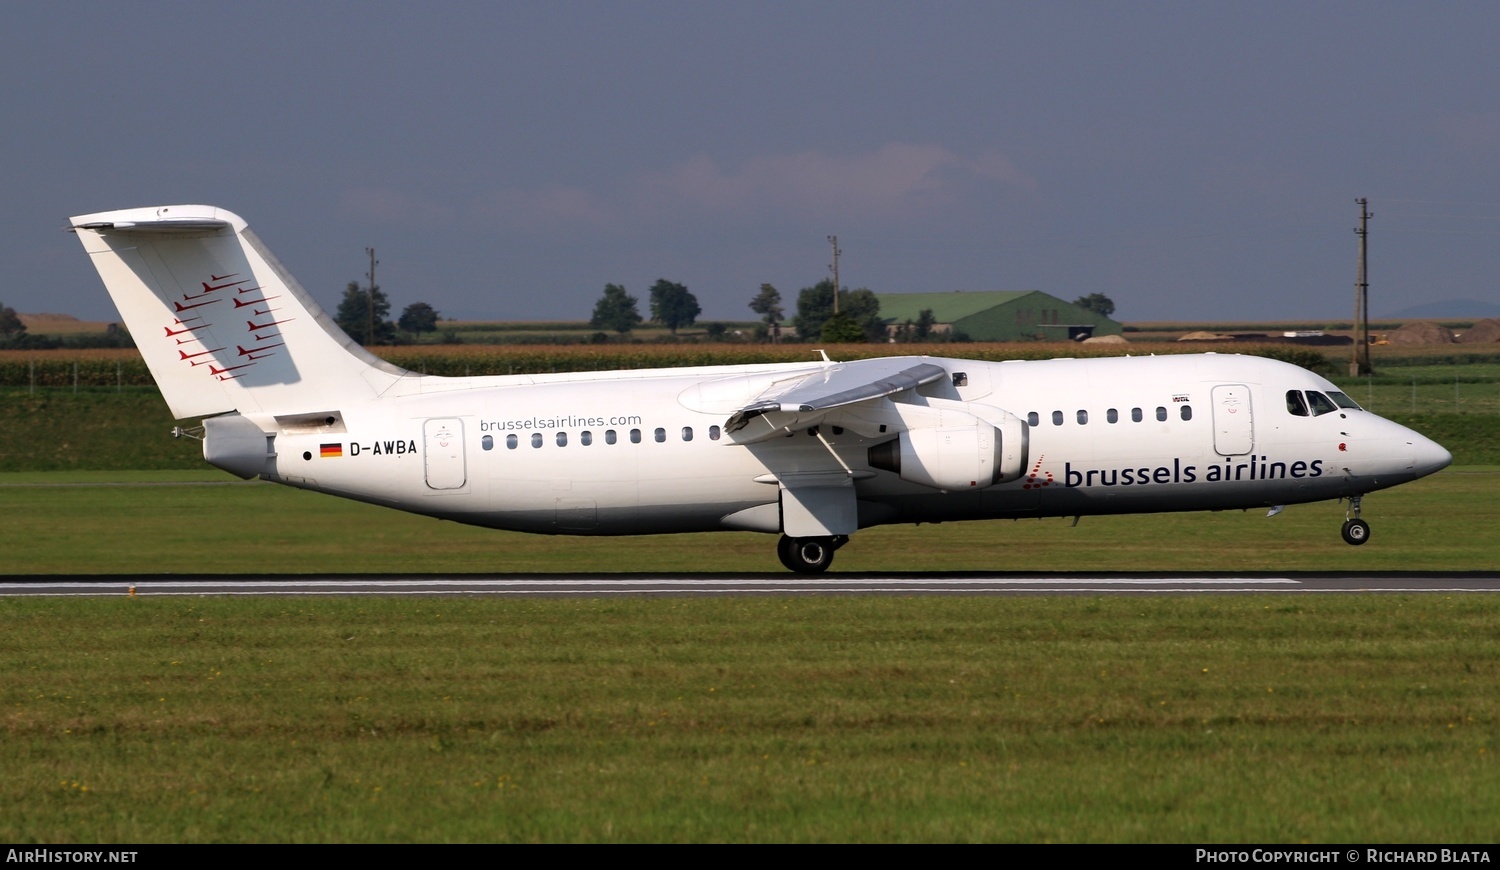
<point x="221" y="324"/>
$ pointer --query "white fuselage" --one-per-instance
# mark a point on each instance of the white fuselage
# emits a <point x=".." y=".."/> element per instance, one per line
<point x="648" y="452"/>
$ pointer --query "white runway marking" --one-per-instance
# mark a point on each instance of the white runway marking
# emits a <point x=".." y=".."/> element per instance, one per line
<point x="607" y="583"/>
<point x="606" y="586"/>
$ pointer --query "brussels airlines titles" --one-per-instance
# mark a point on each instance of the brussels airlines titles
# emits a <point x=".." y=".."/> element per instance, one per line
<point x="1255" y="469"/>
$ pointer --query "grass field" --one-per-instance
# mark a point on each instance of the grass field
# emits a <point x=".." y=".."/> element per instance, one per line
<point x="1116" y="719"/>
<point x="1263" y="719"/>
<point x="107" y="522"/>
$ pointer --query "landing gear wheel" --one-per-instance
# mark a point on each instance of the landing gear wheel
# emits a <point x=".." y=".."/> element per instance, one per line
<point x="1356" y="532"/>
<point x="808" y="555"/>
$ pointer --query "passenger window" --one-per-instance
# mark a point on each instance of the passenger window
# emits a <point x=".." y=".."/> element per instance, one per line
<point x="536" y="439"/>
<point x="609" y="436"/>
<point x="1161" y="414"/>
<point x="635" y="436"/>
<point x="1135" y="414"/>
<point x="1295" y="404"/>
<point x="1033" y="418"/>
<point x="687" y="433"/>
<point x="562" y="439"/>
<point x="661" y="435"/>
<point x="1083" y="418"/>
<point x="1320" y="403"/>
<point x="1057" y="418"/>
<point x="1112" y="415"/>
<point x="511" y="441"/>
<point x="713" y="433"/>
<point x="1186" y="412"/>
<point x="585" y="438"/>
<point x="487" y="442"/>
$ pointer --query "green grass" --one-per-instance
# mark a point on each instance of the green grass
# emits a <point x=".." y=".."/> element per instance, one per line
<point x="88" y="525"/>
<point x="91" y="429"/>
<point x="1266" y="718"/>
<point x="1162" y="719"/>
<point x="1435" y="389"/>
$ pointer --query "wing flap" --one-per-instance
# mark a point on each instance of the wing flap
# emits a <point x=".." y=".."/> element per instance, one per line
<point x="834" y="387"/>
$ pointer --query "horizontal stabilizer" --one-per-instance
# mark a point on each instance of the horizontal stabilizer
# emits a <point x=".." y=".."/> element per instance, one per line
<point x="162" y="225"/>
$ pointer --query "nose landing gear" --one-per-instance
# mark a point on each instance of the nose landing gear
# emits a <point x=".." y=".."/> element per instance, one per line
<point x="1356" y="531"/>
<point x="809" y="555"/>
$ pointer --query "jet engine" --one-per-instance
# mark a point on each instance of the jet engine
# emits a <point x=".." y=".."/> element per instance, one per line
<point x="973" y="454"/>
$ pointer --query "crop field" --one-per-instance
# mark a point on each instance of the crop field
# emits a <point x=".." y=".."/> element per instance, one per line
<point x="1265" y="718"/>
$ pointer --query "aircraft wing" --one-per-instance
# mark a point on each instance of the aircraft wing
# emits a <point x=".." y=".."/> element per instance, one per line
<point x="805" y="400"/>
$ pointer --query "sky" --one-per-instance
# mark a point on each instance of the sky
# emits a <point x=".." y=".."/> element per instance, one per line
<point x="1192" y="161"/>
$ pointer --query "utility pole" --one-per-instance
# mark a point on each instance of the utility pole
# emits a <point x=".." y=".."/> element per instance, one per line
<point x="1360" y="364"/>
<point x="370" y="307"/>
<point x="834" y="241"/>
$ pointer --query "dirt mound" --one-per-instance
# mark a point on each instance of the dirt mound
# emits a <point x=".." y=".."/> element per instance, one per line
<point x="1106" y="339"/>
<point x="1482" y="332"/>
<point x="1206" y="336"/>
<point x="1422" y="332"/>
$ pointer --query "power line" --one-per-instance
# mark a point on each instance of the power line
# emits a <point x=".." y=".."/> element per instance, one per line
<point x="1360" y="365"/>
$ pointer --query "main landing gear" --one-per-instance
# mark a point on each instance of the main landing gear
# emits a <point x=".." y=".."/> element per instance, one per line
<point x="809" y="555"/>
<point x="1356" y="531"/>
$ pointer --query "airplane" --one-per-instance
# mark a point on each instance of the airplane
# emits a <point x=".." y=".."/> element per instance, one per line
<point x="812" y="452"/>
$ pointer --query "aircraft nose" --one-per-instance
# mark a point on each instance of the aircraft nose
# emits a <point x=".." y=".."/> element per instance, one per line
<point x="1428" y="455"/>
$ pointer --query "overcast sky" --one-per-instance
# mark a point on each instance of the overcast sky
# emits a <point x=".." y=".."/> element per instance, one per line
<point x="1193" y="161"/>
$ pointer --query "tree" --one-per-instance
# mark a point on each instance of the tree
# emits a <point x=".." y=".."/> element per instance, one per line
<point x="615" y="310"/>
<point x="354" y="315"/>
<point x="1097" y="303"/>
<point x="767" y="304"/>
<point x="815" y="307"/>
<point x="672" y="305"/>
<point x="842" y="329"/>
<point x="11" y="327"/>
<point x="925" y="321"/>
<point x="863" y="307"/>
<point x="418" y="317"/>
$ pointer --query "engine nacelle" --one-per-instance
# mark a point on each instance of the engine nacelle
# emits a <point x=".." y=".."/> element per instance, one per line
<point x="972" y="455"/>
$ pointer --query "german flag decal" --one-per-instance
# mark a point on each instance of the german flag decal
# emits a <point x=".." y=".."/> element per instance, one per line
<point x="330" y="451"/>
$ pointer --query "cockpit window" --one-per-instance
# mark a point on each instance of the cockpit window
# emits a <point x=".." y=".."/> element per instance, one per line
<point x="1320" y="403"/>
<point x="1343" y="401"/>
<point x="1295" y="404"/>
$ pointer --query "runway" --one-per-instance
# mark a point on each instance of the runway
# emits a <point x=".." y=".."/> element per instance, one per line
<point x="682" y="585"/>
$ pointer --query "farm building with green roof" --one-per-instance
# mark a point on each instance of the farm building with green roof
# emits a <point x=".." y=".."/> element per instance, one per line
<point x="997" y="315"/>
